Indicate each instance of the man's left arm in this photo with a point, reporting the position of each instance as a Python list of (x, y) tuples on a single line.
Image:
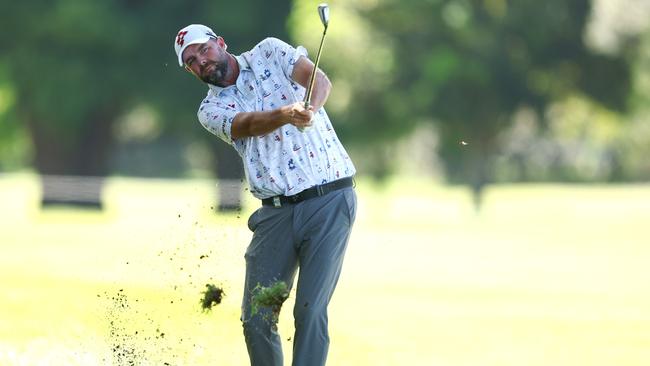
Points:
[(321, 90)]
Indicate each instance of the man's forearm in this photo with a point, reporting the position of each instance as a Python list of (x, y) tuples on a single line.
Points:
[(320, 91), (260, 123), (322, 85), (256, 123)]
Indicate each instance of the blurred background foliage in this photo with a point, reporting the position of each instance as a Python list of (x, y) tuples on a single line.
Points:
[(469, 91)]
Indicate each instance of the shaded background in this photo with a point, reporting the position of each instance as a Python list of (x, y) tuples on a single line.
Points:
[(471, 92), (502, 144)]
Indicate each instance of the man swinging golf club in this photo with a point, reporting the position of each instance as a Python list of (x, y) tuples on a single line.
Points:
[(267, 103)]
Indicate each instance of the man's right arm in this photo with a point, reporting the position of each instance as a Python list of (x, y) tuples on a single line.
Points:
[(246, 124)]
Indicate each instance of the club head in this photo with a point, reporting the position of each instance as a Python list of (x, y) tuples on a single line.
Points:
[(324, 13)]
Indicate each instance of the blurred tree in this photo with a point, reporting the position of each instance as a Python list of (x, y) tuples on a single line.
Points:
[(358, 57), (471, 64), (76, 66), (14, 146)]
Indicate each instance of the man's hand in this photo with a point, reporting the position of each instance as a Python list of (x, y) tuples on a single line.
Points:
[(297, 115)]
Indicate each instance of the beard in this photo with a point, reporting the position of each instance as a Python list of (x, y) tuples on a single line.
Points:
[(217, 75)]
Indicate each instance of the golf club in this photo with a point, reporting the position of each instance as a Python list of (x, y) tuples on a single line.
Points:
[(324, 13)]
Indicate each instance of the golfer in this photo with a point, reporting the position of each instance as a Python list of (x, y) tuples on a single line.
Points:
[(295, 164)]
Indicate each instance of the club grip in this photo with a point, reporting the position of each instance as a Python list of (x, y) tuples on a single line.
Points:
[(302, 129)]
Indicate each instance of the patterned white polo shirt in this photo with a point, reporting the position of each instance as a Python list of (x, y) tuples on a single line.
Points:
[(285, 161)]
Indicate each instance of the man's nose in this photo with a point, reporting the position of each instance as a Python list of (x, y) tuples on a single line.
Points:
[(202, 60)]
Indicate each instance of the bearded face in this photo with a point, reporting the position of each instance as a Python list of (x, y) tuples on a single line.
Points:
[(211, 63), (215, 73)]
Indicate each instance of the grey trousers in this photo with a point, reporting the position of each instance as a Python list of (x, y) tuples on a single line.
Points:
[(312, 235)]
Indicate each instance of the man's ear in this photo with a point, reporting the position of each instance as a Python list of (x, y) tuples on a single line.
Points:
[(221, 42)]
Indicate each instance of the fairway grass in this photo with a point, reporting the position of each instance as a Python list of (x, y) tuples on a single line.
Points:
[(542, 275)]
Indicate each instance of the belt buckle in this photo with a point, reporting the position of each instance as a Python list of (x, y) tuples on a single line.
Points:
[(276, 201)]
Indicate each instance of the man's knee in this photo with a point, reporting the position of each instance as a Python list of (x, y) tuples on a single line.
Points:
[(261, 324), (308, 314)]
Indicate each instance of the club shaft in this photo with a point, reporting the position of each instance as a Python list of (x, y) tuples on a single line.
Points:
[(313, 73)]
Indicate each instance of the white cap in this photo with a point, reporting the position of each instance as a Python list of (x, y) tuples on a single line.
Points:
[(192, 34)]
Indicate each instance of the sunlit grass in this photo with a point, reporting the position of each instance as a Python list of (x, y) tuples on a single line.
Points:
[(542, 275)]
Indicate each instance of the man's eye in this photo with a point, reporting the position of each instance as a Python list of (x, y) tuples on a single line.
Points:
[(204, 50), (190, 62)]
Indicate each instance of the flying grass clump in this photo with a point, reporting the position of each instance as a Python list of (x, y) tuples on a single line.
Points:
[(271, 297), (211, 296)]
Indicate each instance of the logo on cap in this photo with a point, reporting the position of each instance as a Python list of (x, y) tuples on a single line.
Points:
[(180, 39)]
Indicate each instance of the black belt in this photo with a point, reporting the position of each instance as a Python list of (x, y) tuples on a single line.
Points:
[(315, 191)]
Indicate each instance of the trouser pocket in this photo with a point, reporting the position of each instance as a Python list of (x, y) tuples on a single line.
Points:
[(253, 219), (351, 201)]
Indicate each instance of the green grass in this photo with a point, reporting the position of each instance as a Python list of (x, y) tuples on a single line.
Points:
[(543, 275)]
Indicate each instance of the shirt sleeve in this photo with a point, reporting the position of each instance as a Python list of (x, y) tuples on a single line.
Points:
[(284, 54), (216, 117)]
